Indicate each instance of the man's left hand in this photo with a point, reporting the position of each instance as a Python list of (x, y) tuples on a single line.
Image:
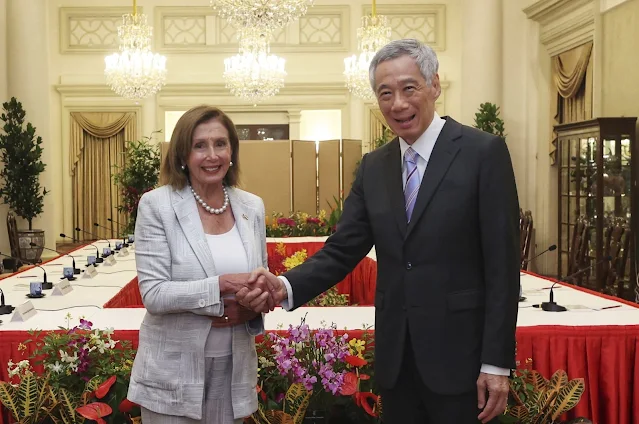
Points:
[(497, 388)]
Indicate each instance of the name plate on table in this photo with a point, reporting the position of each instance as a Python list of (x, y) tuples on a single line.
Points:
[(109, 260), (24, 312), (90, 272), (62, 288), (123, 252)]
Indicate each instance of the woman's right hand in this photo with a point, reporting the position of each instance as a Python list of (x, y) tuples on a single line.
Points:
[(234, 314)]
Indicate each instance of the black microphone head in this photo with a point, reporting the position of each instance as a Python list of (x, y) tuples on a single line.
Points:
[(95, 224), (109, 219), (78, 229), (553, 247)]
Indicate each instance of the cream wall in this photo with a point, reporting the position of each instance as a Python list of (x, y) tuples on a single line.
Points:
[(620, 28), (314, 81)]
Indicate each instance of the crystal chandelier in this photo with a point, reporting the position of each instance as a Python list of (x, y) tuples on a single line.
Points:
[(372, 36), (135, 72), (265, 15), (254, 74)]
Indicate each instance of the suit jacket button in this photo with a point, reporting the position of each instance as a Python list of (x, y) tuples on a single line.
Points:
[(201, 303), (409, 265)]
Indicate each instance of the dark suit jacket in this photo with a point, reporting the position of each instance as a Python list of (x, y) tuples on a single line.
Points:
[(451, 277)]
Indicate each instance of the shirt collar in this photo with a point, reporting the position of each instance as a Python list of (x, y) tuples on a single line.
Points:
[(423, 146)]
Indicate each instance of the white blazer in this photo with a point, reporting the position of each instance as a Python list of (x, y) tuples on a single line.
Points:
[(180, 290)]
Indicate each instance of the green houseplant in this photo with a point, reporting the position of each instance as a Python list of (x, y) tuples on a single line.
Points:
[(21, 153), (487, 119), (139, 174)]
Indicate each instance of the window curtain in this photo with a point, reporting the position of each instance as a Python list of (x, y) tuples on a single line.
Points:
[(97, 145), (572, 88)]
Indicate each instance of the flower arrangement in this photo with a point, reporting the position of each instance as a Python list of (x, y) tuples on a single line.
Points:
[(333, 371), (298, 224), (278, 263), (76, 360)]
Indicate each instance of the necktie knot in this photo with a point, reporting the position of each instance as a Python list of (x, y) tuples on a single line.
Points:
[(410, 156)]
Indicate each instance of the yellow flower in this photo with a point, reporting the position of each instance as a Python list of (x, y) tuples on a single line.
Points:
[(357, 347), (295, 259), (322, 215), (22, 346)]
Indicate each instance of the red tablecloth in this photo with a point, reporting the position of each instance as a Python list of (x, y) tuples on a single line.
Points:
[(606, 356)]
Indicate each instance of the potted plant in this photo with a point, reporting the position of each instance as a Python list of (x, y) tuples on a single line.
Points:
[(488, 120), (140, 173), (21, 153)]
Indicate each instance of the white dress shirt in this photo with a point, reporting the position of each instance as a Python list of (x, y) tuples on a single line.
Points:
[(423, 146)]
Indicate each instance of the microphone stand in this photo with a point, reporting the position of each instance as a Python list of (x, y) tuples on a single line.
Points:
[(4, 309), (550, 249), (98, 259), (45, 284), (75, 270), (124, 239), (551, 305)]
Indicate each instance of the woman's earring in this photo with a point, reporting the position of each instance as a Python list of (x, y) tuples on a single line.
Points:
[(231, 164), (183, 167)]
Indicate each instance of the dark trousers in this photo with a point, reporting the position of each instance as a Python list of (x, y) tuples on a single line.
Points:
[(412, 402)]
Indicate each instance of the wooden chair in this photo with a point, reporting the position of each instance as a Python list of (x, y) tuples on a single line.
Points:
[(525, 236), (617, 242), (578, 255), (14, 241)]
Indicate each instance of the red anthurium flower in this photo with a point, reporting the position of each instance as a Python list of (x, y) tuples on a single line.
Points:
[(103, 388), (368, 402), (364, 377), (349, 386), (95, 411), (126, 406), (355, 361)]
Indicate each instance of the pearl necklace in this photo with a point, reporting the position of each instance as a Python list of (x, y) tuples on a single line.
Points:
[(207, 207)]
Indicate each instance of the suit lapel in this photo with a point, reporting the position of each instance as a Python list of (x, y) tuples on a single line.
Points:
[(187, 215), (395, 184), (245, 221), (440, 159)]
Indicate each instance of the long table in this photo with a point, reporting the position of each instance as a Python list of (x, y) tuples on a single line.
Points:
[(590, 340)]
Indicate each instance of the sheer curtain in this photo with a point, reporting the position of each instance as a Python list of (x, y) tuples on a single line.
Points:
[(97, 143)]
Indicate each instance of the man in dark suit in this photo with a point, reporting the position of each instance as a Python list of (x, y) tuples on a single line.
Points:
[(439, 203)]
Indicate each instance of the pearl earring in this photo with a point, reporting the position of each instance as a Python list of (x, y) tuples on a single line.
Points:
[(183, 167), (231, 164)]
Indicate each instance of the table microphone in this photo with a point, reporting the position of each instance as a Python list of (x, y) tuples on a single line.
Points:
[(4, 309), (551, 306), (45, 285), (98, 238), (98, 259), (550, 249), (124, 239), (75, 270)]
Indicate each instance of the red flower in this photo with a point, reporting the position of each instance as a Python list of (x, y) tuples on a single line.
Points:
[(95, 411), (126, 406), (355, 361), (349, 386), (103, 388)]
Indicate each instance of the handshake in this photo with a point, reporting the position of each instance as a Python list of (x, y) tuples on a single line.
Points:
[(248, 295)]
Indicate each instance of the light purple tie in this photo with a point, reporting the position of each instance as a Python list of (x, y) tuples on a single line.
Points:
[(412, 181)]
